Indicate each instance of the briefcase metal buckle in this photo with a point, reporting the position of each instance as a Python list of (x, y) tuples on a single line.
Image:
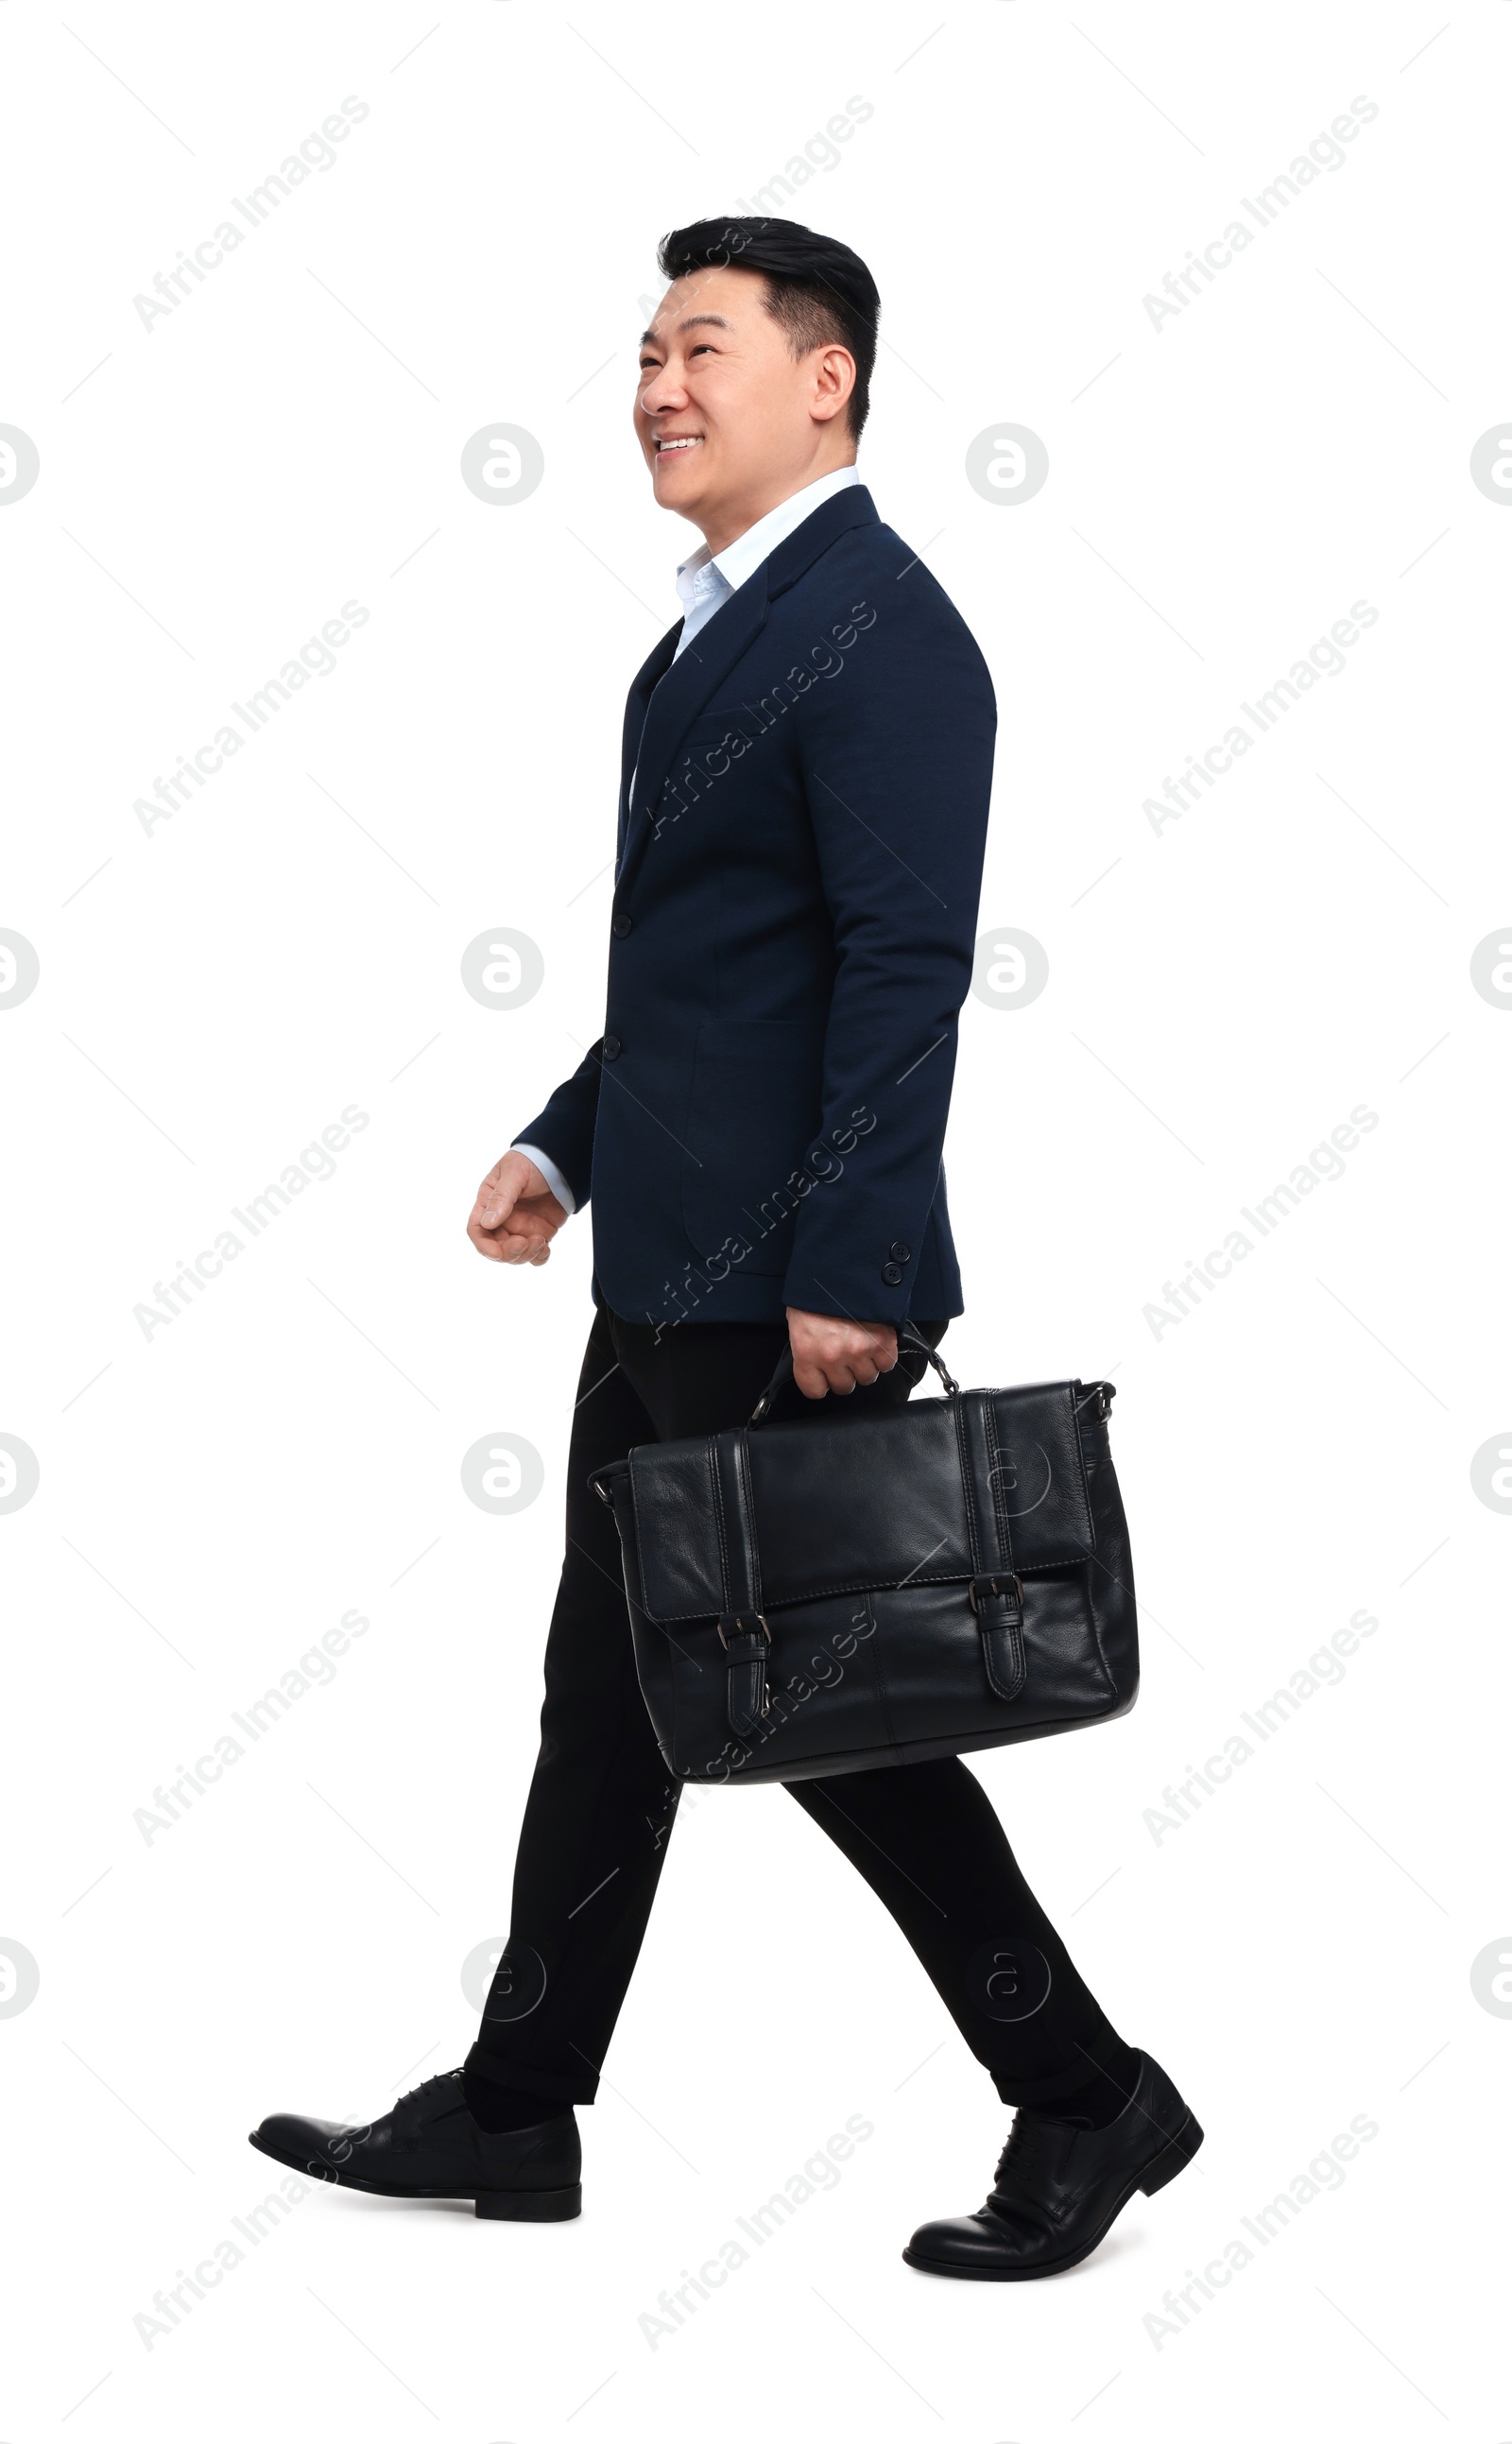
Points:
[(740, 1618), (996, 1586)]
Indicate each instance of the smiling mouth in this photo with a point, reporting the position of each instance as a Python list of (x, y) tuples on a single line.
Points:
[(680, 447)]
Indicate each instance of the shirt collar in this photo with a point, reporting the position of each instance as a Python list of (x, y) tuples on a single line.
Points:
[(700, 573)]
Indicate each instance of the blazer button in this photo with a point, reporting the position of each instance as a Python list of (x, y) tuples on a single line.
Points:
[(892, 1274), (611, 1047), (899, 1253), (621, 926)]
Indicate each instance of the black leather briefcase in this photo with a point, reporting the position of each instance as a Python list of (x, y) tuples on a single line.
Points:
[(816, 1597)]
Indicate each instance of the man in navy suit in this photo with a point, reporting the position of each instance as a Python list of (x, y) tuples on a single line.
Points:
[(803, 797)]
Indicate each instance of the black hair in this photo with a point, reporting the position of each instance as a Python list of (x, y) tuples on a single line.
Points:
[(818, 289)]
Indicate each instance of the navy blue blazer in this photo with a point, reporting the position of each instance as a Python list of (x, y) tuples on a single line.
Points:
[(795, 906)]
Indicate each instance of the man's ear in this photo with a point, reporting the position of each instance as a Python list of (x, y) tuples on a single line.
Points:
[(834, 380)]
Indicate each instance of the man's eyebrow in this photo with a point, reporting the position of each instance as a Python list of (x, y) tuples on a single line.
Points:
[(687, 325)]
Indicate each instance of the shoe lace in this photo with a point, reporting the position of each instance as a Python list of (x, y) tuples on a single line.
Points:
[(438, 2079), (1028, 2143), (1023, 2150)]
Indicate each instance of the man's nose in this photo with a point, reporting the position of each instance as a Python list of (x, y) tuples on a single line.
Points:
[(663, 392)]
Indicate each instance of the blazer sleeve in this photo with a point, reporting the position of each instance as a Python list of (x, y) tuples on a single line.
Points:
[(896, 754), (564, 1129)]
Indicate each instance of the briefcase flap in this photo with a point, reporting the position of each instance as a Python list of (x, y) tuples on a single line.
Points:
[(826, 1508)]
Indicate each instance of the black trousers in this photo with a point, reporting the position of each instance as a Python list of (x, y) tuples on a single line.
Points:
[(602, 1805)]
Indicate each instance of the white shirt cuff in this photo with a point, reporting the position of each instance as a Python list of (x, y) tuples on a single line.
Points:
[(549, 1173)]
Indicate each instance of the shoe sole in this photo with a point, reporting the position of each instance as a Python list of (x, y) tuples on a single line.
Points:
[(490, 2206), (1172, 2159)]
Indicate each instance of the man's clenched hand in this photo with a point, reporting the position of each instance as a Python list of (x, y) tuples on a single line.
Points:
[(832, 1355), (515, 1218)]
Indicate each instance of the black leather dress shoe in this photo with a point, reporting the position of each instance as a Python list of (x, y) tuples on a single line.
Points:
[(1059, 2185), (430, 2147)]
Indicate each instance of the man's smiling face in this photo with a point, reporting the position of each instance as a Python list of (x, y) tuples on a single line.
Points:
[(731, 421)]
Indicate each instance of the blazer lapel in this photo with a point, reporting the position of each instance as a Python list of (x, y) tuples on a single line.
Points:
[(681, 694), (656, 661), (680, 690)]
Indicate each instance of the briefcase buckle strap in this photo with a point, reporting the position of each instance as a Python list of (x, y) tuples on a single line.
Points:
[(1006, 1585), (746, 1638), (997, 1604), (738, 1621)]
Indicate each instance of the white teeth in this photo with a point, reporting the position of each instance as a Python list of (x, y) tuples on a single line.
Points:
[(691, 443)]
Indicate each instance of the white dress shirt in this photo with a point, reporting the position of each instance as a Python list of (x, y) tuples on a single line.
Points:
[(705, 580)]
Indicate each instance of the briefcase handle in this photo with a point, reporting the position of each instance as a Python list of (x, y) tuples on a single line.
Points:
[(909, 1338)]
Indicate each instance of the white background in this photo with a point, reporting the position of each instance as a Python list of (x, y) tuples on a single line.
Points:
[(1221, 993)]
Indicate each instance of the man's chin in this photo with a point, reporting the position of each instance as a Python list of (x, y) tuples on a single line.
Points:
[(687, 500)]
